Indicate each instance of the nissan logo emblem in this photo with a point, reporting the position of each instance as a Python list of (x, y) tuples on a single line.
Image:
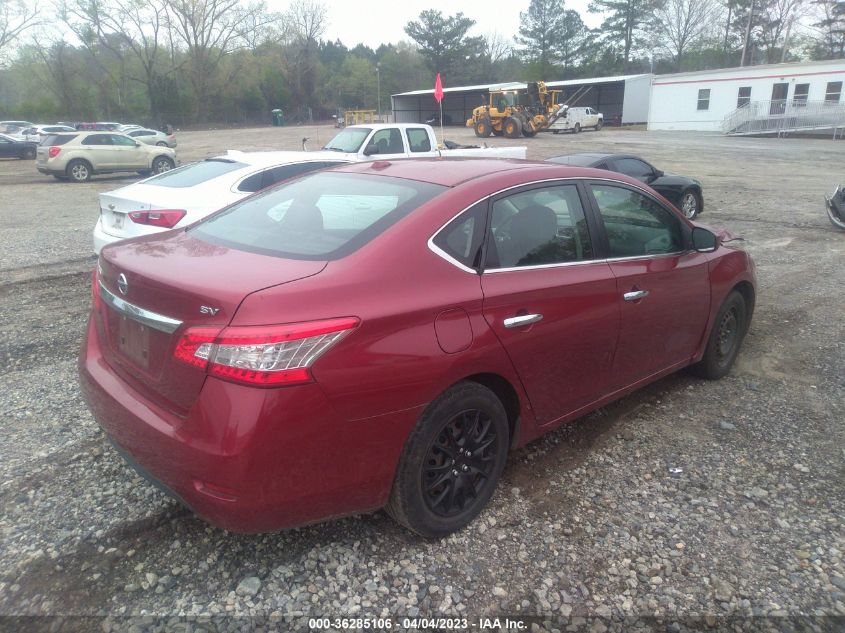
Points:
[(122, 284)]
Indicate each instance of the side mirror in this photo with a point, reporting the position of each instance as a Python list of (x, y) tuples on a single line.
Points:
[(371, 149), (658, 173), (137, 144), (703, 240)]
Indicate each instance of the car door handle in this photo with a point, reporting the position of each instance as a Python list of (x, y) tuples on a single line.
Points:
[(522, 320), (635, 294)]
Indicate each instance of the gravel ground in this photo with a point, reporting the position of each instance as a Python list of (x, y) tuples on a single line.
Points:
[(688, 505)]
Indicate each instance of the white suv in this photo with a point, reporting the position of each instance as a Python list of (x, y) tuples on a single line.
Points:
[(78, 156)]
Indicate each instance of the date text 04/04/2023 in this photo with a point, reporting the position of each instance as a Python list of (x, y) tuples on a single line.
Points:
[(457, 624)]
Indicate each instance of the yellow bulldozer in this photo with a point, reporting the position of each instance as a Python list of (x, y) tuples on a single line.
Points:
[(516, 112)]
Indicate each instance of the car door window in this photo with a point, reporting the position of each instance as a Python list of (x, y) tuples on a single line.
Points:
[(538, 227), (418, 140), (634, 168), (388, 141), (122, 141), (461, 239), (97, 139), (635, 224)]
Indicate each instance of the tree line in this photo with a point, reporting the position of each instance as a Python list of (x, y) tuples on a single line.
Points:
[(184, 62)]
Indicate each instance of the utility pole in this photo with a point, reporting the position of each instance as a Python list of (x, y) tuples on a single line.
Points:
[(747, 33), (786, 39), (378, 88)]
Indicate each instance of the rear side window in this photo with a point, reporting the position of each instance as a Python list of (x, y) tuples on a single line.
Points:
[(195, 173), (461, 239), (418, 140), (57, 139), (321, 216)]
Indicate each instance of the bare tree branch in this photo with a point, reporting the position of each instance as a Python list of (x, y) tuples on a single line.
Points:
[(16, 17)]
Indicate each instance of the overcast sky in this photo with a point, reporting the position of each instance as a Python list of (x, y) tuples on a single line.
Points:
[(374, 22)]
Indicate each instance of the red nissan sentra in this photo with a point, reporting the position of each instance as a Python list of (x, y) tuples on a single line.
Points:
[(381, 334)]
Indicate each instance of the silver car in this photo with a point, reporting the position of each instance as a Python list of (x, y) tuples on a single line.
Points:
[(153, 137)]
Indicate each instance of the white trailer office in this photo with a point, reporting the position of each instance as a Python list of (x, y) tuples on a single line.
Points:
[(706, 100)]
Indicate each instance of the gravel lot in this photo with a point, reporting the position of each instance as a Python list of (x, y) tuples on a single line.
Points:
[(589, 529)]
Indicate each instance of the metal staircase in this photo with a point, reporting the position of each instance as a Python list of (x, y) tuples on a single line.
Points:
[(783, 117)]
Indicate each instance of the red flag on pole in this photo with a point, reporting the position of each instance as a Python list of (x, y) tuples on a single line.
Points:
[(438, 89)]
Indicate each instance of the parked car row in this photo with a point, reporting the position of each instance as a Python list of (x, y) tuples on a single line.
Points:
[(11, 147), (292, 336)]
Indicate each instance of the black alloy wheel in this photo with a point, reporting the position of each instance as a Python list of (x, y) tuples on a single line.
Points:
[(451, 462), (459, 463)]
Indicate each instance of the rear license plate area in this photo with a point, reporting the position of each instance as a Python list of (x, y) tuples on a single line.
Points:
[(133, 341), (117, 220)]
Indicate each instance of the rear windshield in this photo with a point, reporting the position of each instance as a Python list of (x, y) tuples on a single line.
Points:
[(58, 139), (320, 216), (195, 173)]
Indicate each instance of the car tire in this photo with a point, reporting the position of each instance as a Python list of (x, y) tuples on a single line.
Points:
[(162, 164), (690, 203), (437, 464), (161, 144), (28, 153), (599, 125), (577, 128), (79, 170), (555, 131), (483, 127), (725, 339)]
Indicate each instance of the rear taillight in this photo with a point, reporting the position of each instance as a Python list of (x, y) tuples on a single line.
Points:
[(164, 218), (54, 151), (262, 356)]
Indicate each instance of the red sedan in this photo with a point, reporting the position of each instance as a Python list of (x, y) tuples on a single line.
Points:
[(381, 334)]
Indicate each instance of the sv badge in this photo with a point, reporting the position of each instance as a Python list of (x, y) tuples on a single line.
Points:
[(209, 310)]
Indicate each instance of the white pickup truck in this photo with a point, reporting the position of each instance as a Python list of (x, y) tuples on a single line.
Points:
[(407, 140)]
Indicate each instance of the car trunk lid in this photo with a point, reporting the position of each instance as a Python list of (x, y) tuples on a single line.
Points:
[(116, 206), (153, 290)]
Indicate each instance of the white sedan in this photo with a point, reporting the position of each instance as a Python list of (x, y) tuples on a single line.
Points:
[(189, 193)]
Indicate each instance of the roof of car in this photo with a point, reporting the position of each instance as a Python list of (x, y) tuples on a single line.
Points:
[(586, 159), (264, 159), (453, 171)]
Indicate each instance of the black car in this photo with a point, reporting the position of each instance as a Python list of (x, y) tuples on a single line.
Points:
[(13, 148), (684, 193)]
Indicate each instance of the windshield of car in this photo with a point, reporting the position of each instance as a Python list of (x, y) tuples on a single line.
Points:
[(195, 173), (319, 216), (349, 140)]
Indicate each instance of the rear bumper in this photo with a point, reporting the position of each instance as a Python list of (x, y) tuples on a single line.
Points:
[(245, 459), (101, 238), (44, 169)]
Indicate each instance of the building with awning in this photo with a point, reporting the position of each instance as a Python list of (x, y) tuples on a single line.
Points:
[(622, 99)]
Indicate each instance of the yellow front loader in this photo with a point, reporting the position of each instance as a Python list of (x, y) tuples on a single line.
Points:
[(512, 113)]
